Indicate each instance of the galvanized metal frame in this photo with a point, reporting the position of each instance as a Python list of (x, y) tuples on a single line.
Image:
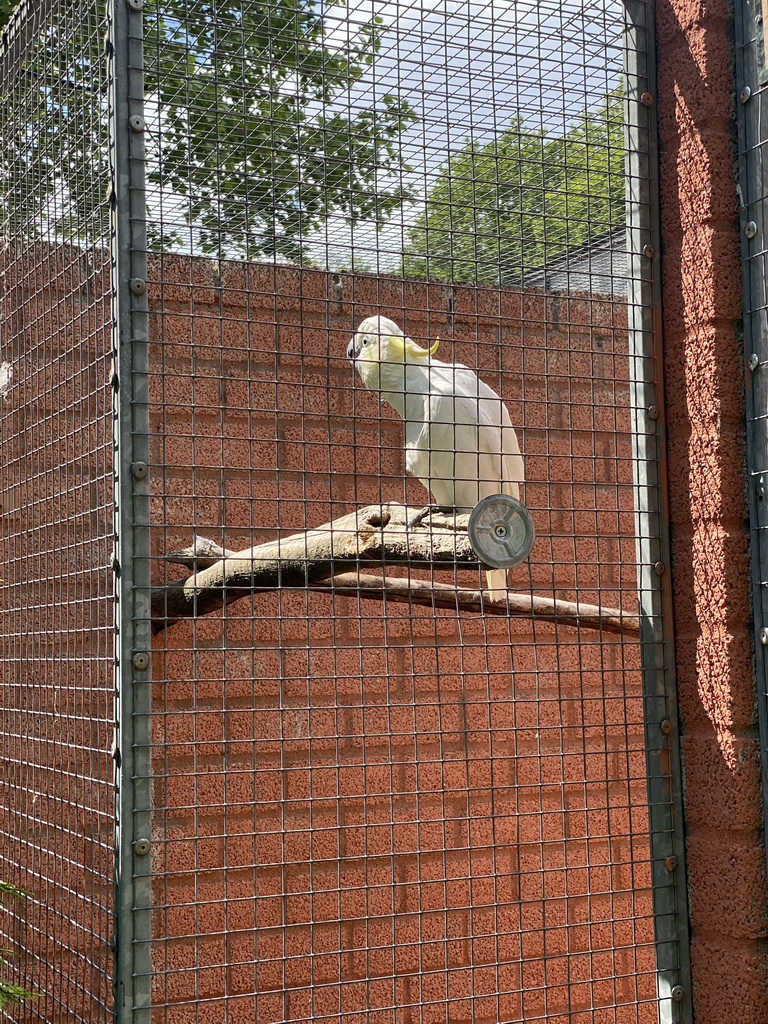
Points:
[(131, 560), (653, 553), (751, 81)]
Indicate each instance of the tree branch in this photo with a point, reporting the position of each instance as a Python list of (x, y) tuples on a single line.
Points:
[(373, 535), (443, 595)]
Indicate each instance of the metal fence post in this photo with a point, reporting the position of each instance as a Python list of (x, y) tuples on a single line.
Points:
[(651, 529), (751, 82), (131, 460)]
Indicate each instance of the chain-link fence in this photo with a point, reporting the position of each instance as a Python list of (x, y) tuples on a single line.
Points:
[(352, 784)]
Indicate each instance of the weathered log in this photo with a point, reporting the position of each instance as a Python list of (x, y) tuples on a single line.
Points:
[(375, 534)]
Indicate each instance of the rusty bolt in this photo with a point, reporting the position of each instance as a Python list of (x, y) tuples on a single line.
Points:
[(670, 863), (653, 412), (666, 727), (646, 99)]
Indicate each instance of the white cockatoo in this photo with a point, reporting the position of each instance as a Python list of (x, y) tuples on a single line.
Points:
[(459, 439)]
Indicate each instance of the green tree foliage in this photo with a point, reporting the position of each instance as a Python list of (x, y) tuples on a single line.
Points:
[(6, 10), (254, 137), (10, 994), (522, 199)]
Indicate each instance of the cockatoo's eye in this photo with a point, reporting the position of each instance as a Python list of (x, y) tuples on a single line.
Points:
[(365, 342)]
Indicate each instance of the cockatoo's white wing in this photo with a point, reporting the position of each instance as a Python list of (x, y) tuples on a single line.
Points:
[(460, 440)]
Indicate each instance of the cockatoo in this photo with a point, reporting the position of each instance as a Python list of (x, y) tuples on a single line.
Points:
[(459, 439)]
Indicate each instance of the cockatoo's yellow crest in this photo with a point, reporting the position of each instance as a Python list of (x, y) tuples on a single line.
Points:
[(406, 346)]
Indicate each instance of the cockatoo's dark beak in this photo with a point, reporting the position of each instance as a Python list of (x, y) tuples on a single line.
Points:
[(351, 351)]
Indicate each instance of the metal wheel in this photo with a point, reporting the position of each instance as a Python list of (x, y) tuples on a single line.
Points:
[(501, 531)]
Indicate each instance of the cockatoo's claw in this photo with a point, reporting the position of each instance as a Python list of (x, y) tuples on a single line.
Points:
[(428, 510)]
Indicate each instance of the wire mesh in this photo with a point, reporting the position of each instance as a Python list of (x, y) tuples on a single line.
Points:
[(382, 806), (56, 717), (364, 808)]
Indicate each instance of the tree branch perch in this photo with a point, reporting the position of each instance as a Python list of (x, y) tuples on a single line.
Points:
[(321, 560)]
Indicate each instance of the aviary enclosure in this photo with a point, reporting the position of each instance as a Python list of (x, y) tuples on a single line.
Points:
[(330, 778)]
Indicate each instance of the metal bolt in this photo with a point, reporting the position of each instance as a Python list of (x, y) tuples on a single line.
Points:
[(745, 93), (760, 488), (754, 361), (750, 229), (136, 123), (646, 99), (763, 635), (141, 847), (666, 727), (137, 285), (139, 470), (649, 252), (670, 863), (678, 993), (112, 943), (141, 660), (136, 5), (653, 412), (659, 568)]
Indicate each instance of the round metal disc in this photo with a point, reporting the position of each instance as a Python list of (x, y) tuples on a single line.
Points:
[(501, 531)]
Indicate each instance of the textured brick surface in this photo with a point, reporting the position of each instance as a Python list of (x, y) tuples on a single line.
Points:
[(705, 409), (401, 808), (357, 810), (56, 686)]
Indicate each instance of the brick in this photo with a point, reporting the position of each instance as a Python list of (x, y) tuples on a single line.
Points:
[(722, 781)]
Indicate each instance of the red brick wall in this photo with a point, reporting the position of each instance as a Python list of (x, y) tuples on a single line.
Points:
[(56, 642), (704, 367), (365, 809)]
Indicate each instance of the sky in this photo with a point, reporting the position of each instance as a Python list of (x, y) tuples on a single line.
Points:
[(469, 68)]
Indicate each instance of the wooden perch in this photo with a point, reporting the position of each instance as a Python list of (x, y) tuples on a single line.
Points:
[(443, 595), (376, 535)]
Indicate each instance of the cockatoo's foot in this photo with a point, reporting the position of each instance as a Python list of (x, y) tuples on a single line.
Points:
[(428, 510)]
